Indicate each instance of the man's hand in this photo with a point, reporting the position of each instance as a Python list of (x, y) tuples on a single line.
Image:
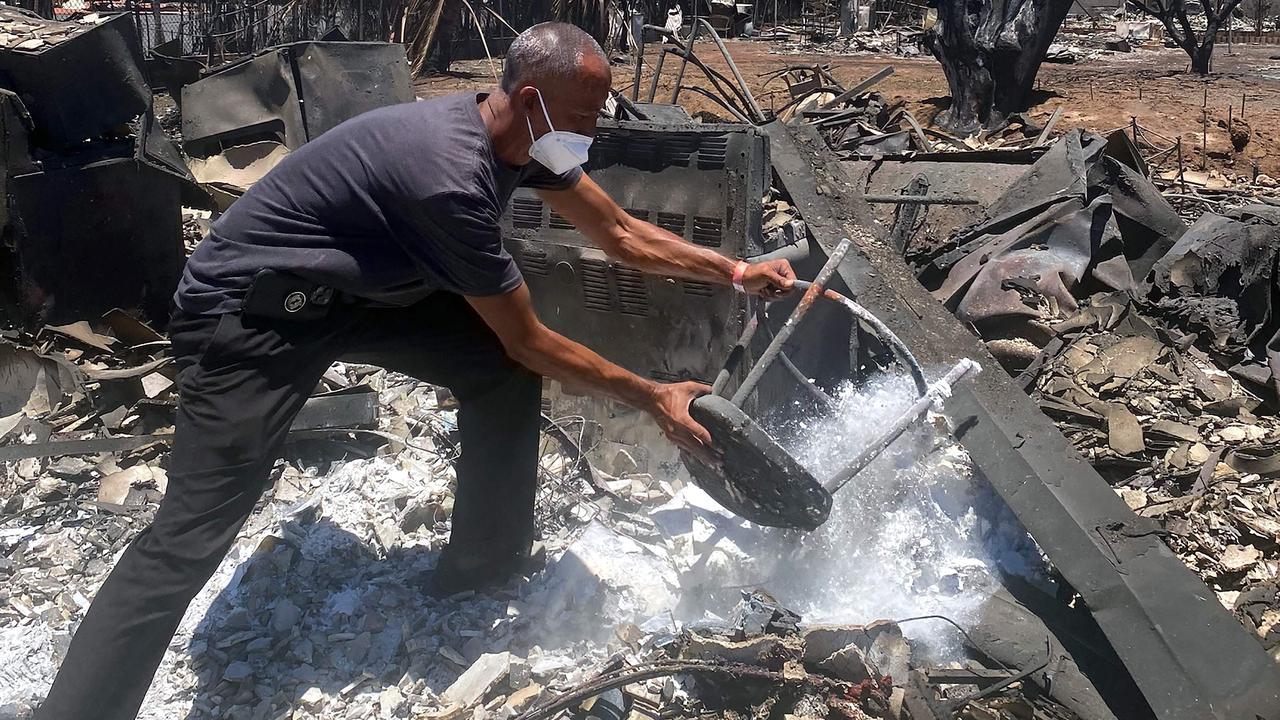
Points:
[(771, 279), (670, 410), (530, 343)]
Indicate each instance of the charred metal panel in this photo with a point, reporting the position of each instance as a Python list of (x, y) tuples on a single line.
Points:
[(15, 150), (1187, 655), (250, 100), (83, 87), (339, 80), (292, 93), (704, 183)]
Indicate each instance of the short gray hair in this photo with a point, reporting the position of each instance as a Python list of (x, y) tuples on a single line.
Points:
[(549, 51)]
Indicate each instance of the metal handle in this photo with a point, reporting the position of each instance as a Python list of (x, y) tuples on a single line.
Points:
[(789, 327)]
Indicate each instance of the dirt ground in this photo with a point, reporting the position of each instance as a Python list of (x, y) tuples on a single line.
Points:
[(1102, 93)]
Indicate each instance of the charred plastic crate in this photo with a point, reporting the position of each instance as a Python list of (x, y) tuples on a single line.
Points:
[(292, 93), (704, 183)]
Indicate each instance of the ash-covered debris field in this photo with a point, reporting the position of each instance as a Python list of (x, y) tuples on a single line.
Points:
[(1005, 449)]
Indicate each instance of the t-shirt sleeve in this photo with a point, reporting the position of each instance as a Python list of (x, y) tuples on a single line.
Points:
[(459, 245), (539, 177)]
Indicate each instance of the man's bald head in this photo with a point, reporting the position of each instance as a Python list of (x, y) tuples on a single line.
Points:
[(551, 55)]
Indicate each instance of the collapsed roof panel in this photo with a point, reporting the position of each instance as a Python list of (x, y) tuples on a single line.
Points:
[(292, 93)]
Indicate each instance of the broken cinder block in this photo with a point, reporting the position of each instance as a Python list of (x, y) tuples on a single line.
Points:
[(474, 684)]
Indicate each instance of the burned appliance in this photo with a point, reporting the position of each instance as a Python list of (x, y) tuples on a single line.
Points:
[(79, 81), (92, 218), (704, 183)]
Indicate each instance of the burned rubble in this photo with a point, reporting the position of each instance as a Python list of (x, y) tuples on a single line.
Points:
[(1149, 342), (930, 591)]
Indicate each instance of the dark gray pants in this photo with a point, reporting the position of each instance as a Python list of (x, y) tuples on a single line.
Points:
[(241, 381)]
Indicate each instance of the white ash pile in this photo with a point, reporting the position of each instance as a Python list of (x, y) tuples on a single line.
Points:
[(319, 610)]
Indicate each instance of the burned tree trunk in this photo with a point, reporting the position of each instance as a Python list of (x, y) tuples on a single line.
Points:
[(1201, 56), (990, 51), (848, 17), (1175, 15), (446, 34)]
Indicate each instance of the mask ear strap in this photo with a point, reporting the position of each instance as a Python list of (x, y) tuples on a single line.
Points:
[(544, 111)]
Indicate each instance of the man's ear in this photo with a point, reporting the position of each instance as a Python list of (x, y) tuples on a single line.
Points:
[(527, 97)]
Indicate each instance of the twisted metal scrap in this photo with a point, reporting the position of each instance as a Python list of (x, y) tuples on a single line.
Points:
[(663, 668)]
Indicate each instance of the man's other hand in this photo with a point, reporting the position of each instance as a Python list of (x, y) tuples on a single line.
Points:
[(671, 411), (771, 279)]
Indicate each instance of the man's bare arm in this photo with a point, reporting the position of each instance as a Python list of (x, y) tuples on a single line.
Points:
[(651, 249), (537, 347)]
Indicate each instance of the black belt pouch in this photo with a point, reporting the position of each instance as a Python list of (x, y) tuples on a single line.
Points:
[(285, 296)]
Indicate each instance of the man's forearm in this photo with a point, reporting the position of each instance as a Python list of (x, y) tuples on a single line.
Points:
[(552, 355), (651, 249)]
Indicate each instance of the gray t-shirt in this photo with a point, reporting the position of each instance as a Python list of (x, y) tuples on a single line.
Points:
[(387, 206)]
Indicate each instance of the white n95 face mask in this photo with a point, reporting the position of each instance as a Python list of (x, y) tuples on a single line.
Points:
[(559, 150)]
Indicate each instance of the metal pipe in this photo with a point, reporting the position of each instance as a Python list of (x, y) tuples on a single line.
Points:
[(825, 401), (793, 321), (684, 62), (919, 199), (736, 354), (722, 84), (936, 392), (737, 74), (635, 83), (722, 102), (657, 73)]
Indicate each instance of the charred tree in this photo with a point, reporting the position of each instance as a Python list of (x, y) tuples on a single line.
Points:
[(446, 35), (990, 51), (1175, 15), (1257, 11), (848, 17)]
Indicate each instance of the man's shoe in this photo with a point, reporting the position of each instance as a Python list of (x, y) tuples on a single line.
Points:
[(458, 570)]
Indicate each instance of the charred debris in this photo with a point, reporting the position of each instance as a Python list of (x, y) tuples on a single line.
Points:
[(1112, 474)]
